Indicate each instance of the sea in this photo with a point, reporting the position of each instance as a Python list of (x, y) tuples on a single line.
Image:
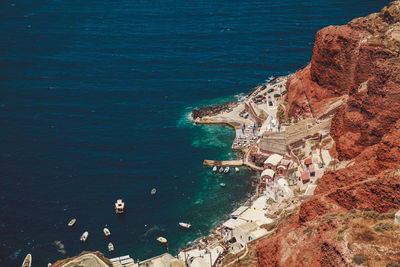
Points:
[(95, 102)]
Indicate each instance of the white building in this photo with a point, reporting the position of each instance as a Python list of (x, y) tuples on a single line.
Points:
[(242, 231), (248, 231), (267, 174), (272, 161)]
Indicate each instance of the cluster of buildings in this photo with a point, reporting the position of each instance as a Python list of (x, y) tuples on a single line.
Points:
[(232, 236)]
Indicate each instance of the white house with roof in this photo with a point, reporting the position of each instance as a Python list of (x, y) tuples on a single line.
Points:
[(242, 231), (272, 161), (267, 174), (248, 231)]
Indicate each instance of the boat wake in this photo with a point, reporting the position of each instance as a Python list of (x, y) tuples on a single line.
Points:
[(154, 230), (60, 247)]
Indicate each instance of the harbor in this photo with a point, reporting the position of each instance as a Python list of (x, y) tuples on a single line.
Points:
[(289, 158)]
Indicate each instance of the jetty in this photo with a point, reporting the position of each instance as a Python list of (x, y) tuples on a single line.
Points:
[(208, 162)]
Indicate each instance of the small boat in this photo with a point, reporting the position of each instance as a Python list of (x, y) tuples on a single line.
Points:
[(119, 206), (226, 170), (185, 225), (84, 236), (215, 169), (72, 222), (222, 184), (27, 261), (221, 170), (106, 232), (162, 240), (110, 247), (237, 169), (153, 191)]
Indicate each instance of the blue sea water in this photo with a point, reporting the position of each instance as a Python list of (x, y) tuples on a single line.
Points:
[(94, 104)]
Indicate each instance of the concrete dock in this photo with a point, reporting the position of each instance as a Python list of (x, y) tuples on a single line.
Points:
[(233, 163)]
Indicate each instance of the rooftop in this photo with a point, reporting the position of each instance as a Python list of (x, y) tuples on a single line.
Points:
[(305, 176), (274, 159), (268, 172)]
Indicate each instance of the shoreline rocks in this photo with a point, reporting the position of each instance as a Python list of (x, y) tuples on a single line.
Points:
[(211, 110)]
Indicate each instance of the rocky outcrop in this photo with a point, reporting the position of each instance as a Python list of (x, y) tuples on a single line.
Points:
[(211, 110), (360, 63)]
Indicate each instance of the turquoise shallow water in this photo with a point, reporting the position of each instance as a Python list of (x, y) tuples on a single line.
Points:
[(94, 103)]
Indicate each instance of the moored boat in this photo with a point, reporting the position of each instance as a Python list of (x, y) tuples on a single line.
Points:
[(110, 247), (221, 170), (222, 185), (119, 206), (237, 169), (153, 191), (215, 169), (162, 240), (226, 170), (106, 232), (27, 261), (72, 222), (185, 225), (84, 236)]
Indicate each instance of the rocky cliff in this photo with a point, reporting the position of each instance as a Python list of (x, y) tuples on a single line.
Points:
[(358, 62), (361, 60)]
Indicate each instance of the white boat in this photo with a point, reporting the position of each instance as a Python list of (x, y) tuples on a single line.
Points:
[(110, 247), (27, 261), (71, 222), (222, 184), (119, 206), (215, 169), (237, 169), (162, 240), (106, 232), (185, 225), (226, 170), (84, 236), (221, 170)]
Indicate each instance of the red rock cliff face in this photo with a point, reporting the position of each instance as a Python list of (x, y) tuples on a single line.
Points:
[(360, 60)]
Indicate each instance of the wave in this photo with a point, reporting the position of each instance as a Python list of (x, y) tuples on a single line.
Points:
[(186, 119), (269, 79), (241, 97)]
